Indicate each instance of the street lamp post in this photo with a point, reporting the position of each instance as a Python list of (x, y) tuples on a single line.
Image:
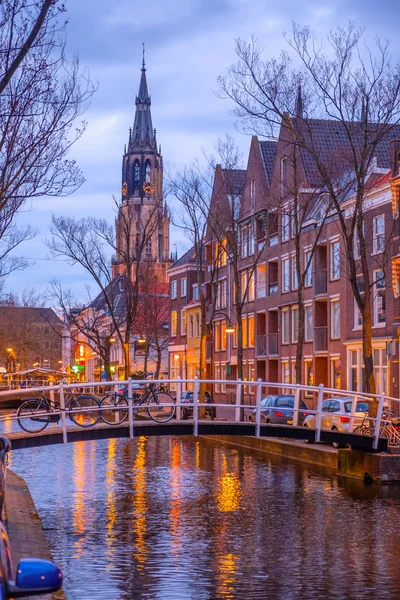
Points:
[(228, 330)]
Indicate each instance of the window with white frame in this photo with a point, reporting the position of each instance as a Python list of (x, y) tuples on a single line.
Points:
[(295, 324), (285, 375), (356, 244), (357, 312), (191, 326), (285, 326), (335, 319), (285, 275), (251, 290), (174, 322), (378, 234), (308, 372), (335, 260), (308, 324), (380, 370), (195, 292), (221, 294), (183, 322), (244, 331), (308, 261), (293, 367), (243, 284), (355, 367), (183, 287), (285, 226), (247, 240), (335, 373), (174, 368), (174, 289), (197, 325), (261, 283), (223, 335), (379, 299), (217, 336), (295, 283), (251, 331)]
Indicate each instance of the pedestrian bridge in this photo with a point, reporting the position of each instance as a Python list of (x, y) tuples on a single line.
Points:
[(133, 427)]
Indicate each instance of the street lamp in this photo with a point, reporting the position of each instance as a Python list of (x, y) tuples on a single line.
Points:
[(141, 340)]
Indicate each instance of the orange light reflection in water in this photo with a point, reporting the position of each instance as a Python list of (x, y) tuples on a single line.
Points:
[(226, 575), (140, 505), (176, 502), (80, 482), (229, 492), (111, 501)]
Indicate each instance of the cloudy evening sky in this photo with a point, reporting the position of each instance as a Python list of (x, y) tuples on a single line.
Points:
[(188, 44)]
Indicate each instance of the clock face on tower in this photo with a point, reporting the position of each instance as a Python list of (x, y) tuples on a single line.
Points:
[(149, 188), (124, 188)]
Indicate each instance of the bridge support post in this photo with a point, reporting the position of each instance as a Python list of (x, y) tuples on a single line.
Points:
[(296, 407), (378, 421), (238, 400), (63, 418), (258, 405), (130, 407), (353, 412), (196, 406), (178, 398), (319, 412)]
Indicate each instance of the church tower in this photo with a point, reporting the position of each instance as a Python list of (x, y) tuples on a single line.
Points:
[(142, 204)]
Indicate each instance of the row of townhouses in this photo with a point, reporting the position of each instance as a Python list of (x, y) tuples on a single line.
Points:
[(332, 352)]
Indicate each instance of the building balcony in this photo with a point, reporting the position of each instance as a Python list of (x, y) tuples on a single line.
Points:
[(320, 339), (272, 344), (320, 282)]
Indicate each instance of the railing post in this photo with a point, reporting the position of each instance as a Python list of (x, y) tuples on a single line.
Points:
[(258, 407), (52, 403), (130, 407), (319, 412), (353, 411), (63, 418), (196, 406), (238, 400), (178, 398), (378, 421), (296, 407)]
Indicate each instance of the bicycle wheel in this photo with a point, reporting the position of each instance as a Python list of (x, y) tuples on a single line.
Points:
[(118, 409), (157, 409), (84, 411), (31, 415)]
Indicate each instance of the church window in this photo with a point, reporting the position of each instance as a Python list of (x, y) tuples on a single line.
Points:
[(148, 169), (136, 174)]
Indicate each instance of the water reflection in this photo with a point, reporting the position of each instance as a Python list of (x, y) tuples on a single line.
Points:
[(176, 518)]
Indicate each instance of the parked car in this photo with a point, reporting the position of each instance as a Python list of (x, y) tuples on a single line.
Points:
[(335, 417), (33, 575), (187, 412), (276, 409)]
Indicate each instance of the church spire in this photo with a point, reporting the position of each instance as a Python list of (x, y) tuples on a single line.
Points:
[(142, 126), (299, 103)]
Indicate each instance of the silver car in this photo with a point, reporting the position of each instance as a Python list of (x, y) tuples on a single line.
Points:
[(335, 417)]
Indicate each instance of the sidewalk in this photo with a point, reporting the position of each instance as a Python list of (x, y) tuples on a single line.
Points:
[(25, 528)]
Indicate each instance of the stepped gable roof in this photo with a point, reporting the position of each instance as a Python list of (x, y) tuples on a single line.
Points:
[(268, 153), (331, 142), (235, 180)]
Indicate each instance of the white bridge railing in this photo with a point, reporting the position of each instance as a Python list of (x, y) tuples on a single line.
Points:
[(261, 388)]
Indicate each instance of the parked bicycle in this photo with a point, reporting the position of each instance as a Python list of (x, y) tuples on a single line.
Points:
[(389, 428), (35, 414), (152, 402)]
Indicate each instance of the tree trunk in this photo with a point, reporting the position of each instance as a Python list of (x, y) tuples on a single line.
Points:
[(369, 377), (127, 365), (300, 335), (158, 364), (203, 356)]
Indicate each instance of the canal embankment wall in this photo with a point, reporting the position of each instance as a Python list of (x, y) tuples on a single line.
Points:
[(24, 527), (381, 467)]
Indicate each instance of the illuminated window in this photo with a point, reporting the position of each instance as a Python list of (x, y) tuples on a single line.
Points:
[(174, 322), (251, 331)]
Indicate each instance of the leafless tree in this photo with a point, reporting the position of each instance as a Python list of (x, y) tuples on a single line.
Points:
[(42, 97), (347, 82), (90, 242)]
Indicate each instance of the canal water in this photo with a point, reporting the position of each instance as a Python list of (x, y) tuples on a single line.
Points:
[(184, 518)]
